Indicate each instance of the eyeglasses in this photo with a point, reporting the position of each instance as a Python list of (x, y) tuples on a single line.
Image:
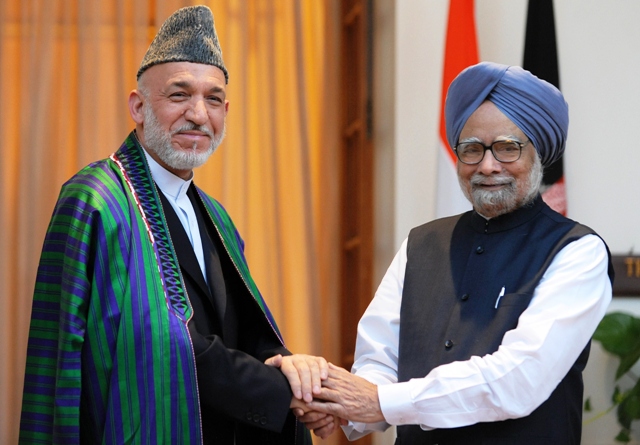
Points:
[(472, 153)]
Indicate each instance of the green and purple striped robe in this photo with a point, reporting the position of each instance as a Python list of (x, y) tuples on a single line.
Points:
[(109, 358)]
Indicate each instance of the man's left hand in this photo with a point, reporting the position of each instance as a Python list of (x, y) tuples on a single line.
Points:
[(304, 372), (348, 396)]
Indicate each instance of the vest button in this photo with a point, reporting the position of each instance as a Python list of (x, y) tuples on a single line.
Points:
[(479, 250), (465, 297), (448, 344)]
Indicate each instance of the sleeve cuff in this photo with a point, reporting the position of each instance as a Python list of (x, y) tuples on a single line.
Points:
[(396, 403), (356, 430)]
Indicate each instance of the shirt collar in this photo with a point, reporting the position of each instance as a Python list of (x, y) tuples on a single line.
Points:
[(170, 184), (507, 221)]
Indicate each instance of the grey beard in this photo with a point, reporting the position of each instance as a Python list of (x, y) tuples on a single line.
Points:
[(494, 203), (158, 140)]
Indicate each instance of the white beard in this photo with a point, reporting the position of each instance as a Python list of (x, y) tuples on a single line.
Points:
[(159, 141), (494, 203)]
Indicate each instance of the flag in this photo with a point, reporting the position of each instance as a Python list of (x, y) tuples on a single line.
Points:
[(461, 51), (541, 58)]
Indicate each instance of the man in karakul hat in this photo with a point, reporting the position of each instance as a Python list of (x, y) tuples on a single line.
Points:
[(147, 326), (480, 329)]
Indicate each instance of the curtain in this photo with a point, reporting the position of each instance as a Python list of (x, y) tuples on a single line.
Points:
[(66, 68)]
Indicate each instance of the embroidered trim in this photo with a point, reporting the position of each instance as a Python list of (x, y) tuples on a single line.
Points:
[(133, 168)]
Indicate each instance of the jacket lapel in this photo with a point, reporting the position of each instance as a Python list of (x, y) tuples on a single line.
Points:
[(186, 257), (213, 265)]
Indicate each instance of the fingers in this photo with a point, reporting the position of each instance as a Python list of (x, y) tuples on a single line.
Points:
[(314, 419), (293, 375), (328, 394), (354, 398), (323, 428), (323, 425), (306, 371), (307, 416), (337, 378), (336, 371), (275, 361), (319, 371), (325, 431), (305, 374), (298, 406), (342, 395), (334, 409)]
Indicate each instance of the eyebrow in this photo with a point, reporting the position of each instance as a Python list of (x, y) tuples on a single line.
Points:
[(499, 138), (468, 140), (186, 84)]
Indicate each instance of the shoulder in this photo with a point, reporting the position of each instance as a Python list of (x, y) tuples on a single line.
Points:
[(575, 230), (579, 243), (588, 254), (96, 191), (98, 179), (439, 224), (437, 227)]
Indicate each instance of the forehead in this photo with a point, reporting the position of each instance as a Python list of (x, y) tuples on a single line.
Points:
[(487, 122), (184, 73)]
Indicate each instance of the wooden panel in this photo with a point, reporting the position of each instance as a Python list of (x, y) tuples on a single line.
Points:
[(627, 270), (356, 178)]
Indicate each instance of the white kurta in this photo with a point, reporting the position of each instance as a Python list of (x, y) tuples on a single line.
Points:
[(565, 310)]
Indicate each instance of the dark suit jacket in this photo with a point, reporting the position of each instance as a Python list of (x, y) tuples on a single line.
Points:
[(239, 395)]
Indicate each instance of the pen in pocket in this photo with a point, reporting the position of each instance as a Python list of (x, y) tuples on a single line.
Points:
[(499, 297)]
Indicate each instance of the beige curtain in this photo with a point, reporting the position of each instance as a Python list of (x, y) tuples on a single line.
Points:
[(66, 68)]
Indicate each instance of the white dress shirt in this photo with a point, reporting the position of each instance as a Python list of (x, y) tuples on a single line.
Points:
[(175, 189), (533, 358)]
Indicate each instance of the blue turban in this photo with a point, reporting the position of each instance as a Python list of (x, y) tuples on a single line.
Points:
[(535, 106)]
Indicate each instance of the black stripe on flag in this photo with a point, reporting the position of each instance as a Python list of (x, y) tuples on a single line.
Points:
[(541, 58)]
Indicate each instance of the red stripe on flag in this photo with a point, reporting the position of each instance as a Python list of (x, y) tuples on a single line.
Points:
[(461, 51)]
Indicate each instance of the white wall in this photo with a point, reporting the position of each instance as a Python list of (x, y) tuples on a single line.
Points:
[(599, 55)]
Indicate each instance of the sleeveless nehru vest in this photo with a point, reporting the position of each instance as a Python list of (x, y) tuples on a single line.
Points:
[(456, 268)]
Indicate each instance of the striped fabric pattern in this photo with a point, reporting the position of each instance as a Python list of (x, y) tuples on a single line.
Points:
[(109, 357)]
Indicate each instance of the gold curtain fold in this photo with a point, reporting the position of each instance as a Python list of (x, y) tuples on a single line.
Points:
[(66, 68)]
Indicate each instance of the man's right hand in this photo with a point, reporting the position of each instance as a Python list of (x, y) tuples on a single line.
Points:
[(322, 425)]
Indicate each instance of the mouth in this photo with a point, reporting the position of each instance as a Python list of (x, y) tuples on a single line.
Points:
[(491, 183), (192, 134), (191, 138), (492, 186)]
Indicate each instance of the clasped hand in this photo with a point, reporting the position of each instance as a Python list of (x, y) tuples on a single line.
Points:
[(325, 395)]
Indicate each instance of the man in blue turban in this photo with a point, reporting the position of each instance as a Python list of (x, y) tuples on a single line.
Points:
[(480, 329)]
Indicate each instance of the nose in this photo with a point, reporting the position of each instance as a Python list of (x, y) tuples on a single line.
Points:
[(489, 164), (197, 112)]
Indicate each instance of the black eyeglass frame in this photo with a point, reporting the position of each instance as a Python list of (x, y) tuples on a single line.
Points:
[(490, 147)]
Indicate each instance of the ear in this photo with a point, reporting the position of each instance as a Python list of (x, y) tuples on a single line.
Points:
[(136, 101), (226, 107)]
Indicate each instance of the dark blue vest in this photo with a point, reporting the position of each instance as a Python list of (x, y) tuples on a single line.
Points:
[(456, 268)]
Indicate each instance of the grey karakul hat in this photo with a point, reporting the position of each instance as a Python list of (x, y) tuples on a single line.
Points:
[(187, 36)]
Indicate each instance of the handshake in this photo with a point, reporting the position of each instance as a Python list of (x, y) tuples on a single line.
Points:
[(325, 395)]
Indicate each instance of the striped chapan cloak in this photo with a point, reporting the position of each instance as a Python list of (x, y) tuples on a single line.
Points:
[(108, 342)]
